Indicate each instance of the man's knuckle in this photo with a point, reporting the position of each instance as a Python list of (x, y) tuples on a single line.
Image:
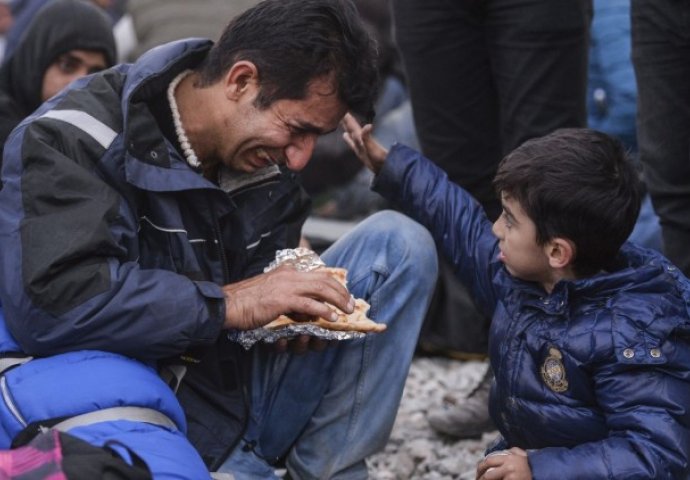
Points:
[(306, 304), (319, 287)]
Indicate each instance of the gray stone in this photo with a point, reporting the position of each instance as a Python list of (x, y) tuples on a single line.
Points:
[(414, 451)]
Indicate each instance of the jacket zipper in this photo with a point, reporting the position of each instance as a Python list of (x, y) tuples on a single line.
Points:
[(219, 245), (238, 371)]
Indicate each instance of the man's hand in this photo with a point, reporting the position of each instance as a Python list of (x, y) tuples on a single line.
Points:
[(256, 301), (508, 465), (359, 138)]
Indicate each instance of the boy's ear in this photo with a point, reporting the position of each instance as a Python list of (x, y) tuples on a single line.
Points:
[(561, 252)]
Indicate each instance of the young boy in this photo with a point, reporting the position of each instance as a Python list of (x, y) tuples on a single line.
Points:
[(590, 337)]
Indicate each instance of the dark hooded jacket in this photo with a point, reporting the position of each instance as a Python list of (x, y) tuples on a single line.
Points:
[(57, 28)]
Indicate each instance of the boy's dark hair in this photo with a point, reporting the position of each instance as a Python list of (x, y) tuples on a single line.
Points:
[(295, 41), (577, 184)]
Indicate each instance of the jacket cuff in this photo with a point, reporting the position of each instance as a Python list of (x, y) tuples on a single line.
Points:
[(389, 179), (215, 305)]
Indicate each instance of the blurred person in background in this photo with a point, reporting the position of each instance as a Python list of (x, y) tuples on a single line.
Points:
[(661, 59), (6, 21), (20, 13), (612, 98), (156, 22), (66, 40)]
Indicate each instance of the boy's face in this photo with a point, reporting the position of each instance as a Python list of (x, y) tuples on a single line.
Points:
[(517, 236)]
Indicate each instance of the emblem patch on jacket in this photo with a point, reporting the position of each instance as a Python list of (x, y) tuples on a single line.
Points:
[(553, 371)]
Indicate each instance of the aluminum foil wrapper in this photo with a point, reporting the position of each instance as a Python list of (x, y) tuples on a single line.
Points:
[(248, 338), (304, 260)]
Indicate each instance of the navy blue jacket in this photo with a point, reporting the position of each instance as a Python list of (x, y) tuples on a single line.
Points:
[(594, 378), (111, 241)]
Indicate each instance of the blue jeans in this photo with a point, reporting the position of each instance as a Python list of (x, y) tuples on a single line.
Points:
[(661, 56), (327, 411)]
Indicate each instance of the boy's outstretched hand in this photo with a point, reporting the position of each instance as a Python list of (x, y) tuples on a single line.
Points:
[(505, 465), (359, 138)]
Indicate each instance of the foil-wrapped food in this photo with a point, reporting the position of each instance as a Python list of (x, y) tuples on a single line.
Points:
[(348, 326)]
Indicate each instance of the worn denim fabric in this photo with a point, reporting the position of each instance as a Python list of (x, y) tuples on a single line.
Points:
[(661, 56), (327, 411)]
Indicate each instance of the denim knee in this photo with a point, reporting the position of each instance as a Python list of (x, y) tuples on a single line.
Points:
[(413, 243)]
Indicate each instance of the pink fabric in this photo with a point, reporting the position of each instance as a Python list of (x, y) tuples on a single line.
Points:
[(39, 460)]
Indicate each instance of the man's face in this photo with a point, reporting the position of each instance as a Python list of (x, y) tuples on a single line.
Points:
[(68, 67), (284, 133), (519, 251)]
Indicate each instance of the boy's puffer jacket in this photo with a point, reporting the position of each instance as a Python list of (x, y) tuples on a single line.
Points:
[(592, 379)]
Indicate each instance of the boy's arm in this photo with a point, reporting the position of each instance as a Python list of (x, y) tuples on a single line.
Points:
[(424, 192)]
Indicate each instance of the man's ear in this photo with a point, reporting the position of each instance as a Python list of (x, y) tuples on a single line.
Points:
[(242, 77), (561, 252)]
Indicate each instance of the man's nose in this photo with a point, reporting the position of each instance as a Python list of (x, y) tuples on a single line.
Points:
[(299, 152)]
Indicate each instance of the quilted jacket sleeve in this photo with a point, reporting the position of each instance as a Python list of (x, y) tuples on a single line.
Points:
[(457, 222)]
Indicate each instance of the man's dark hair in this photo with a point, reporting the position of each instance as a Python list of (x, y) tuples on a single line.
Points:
[(295, 41), (577, 184)]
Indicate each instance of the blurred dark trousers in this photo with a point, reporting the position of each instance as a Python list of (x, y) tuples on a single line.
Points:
[(484, 76), (661, 56)]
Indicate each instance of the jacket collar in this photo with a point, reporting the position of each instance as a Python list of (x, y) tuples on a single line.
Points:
[(151, 163), (637, 268)]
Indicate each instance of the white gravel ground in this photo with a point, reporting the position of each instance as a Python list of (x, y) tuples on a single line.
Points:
[(414, 450)]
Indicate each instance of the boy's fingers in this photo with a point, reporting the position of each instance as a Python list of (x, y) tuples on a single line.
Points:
[(518, 451), (349, 123), (348, 139), (488, 463)]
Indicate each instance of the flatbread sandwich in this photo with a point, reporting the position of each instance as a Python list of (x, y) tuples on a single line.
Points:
[(356, 321)]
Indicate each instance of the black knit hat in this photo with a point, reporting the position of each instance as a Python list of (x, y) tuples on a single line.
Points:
[(58, 27)]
